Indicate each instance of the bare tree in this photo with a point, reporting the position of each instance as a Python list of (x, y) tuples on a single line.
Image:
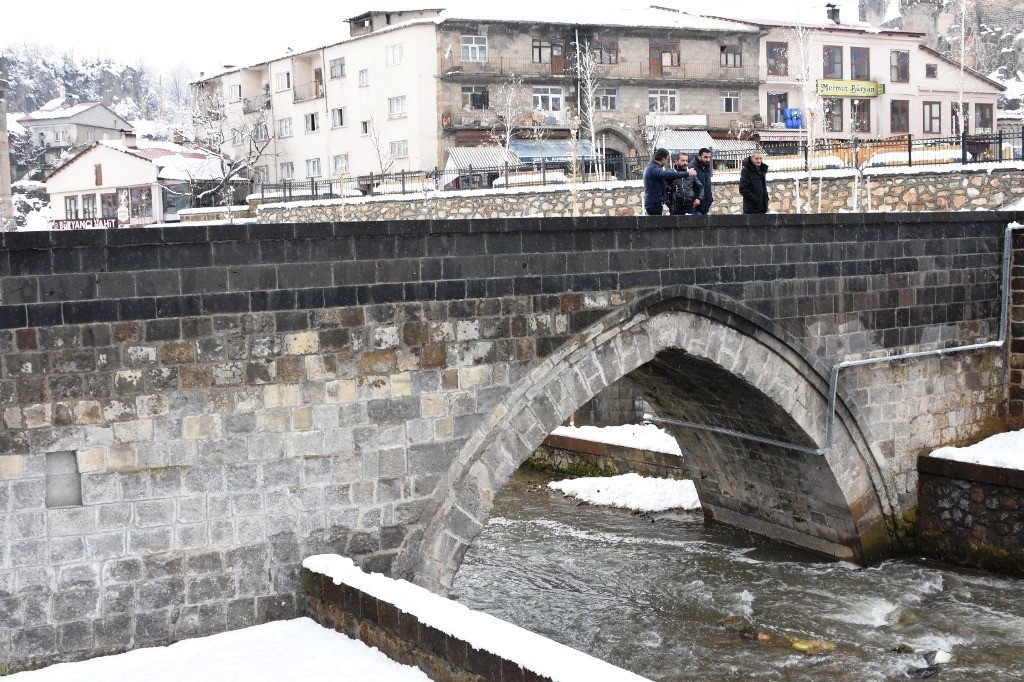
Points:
[(385, 160), (240, 141), (807, 55), (587, 70), (511, 112)]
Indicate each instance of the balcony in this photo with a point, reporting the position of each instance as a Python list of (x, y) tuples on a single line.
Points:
[(304, 92), (504, 66), (252, 105), (623, 70)]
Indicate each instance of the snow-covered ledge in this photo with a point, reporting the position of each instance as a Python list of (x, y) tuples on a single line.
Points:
[(442, 637)]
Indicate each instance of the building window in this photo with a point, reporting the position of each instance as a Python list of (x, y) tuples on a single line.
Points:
[(933, 117), (260, 133), (778, 58), (899, 116), (262, 174), (284, 127), (832, 62), (860, 116), (90, 135), (982, 118), (957, 123), (833, 110), (288, 171), (394, 54), (88, 206), (364, 77), (731, 101), (931, 70), (400, 149), (108, 205), (605, 51), (339, 163), (283, 81), (71, 208), (547, 99), (860, 64), (236, 136), (141, 202), (312, 122), (730, 56), (312, 168), (337, 67), (544, 49), (60, 135), (365, 127), (474, 97), (899, 66), (606, 99), (338, 117), (778, 102), (668, 53), (396, 107), (234, 93), (474, 48), (661, 100)]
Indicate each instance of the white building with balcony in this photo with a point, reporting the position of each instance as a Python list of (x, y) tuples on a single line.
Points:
[(64, 123)]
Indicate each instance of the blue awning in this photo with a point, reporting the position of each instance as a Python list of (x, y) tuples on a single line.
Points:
[(532, 151)]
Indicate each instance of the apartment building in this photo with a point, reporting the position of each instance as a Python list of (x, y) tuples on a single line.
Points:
[(406, 86), (854, 81), (64, 123)]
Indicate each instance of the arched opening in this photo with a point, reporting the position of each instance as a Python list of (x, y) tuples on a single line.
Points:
[(694, 362)]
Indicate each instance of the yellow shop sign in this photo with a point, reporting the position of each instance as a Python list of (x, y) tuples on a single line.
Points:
[(836, 88)]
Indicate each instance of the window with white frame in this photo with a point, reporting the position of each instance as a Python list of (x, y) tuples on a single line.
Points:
[(90, 135), (288, 171), (236, 136), (88, 206), (312, 168), (547, 98), (312, 121), (337, 67), (400, 149), (71, 208), (606, 99), (394, 54), (259, 132), (396, 107), (282, 81), (731, 101), (235, 93), (339, 117), (262, 174), (474, 48), (365, 127), (284, 127), (661, 100), (339, 163), (61, 135), (474, 97), (730, 56), (364, 77)]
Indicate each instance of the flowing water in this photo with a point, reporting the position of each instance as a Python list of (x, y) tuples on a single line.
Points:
[(671, 598)]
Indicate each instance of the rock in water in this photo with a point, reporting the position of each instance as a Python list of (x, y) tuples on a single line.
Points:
[(811, 647), (938, 657), (925, 673)]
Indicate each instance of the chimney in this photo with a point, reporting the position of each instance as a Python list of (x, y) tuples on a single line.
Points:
[(833, 12), (130, 139)]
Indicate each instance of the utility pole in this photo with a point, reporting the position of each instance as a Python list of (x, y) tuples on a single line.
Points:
[(6, 204)]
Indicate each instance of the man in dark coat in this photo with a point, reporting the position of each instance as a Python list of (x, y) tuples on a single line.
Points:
[(702, 164), (684, 192), (753, 185), (656, 179)]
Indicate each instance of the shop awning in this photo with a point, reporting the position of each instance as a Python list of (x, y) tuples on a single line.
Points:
[(532, 151)]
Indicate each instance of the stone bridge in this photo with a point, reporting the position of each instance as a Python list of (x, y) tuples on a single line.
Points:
[(188, 411)]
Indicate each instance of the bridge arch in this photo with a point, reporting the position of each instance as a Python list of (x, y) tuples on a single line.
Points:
[(699, 358)]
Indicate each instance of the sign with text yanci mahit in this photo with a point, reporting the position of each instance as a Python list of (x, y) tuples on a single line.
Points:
[(837, 88)]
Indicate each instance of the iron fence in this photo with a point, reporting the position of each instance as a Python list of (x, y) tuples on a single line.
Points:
[(780, 157)]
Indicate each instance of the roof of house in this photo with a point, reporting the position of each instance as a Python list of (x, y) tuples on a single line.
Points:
[(831, 26), (173, 162), (983, 77), (56, 109)]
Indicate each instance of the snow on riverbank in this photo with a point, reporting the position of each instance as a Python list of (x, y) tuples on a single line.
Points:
[(297, 649), (632, 491), (1004, 450), (642, 436)]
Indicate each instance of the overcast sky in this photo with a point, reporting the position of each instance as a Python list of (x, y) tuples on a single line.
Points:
[(206, 34)]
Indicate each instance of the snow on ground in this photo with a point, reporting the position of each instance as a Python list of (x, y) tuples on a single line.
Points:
[(297, 649), (1004, 450), (481, 630), (1014, 206), (632, 491), (642, 436)]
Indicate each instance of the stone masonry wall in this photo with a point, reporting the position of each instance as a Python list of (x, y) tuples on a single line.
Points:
[(235, 398), (1016, 388), (961, 187), (971, 515)]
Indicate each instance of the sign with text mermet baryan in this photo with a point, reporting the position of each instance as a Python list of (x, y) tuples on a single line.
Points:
[(840, 88)]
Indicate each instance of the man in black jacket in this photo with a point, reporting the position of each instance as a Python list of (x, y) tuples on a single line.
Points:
[(702, 164), (656, 179), (753, 185), (685, 192)]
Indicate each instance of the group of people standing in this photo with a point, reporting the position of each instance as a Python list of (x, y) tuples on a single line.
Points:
[(686, 189)]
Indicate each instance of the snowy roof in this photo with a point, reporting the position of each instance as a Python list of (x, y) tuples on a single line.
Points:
[(684, 140), (480, 157), (12, 124), (831, 26), (57, 112), (173, 162)]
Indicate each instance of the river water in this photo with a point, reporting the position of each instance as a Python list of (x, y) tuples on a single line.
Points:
[(671, 598)]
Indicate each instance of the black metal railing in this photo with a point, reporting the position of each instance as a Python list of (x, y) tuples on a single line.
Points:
[(780, 157)]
